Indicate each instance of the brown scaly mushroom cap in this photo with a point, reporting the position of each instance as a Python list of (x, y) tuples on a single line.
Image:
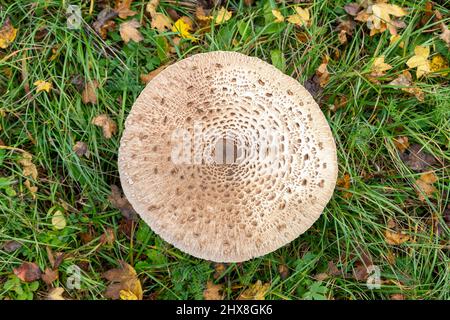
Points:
[(226, 157)]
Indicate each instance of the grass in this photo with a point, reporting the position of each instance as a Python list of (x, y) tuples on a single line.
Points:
[(354, 222)]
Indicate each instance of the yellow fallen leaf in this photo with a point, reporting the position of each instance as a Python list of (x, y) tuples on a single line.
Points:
[(383, 11), (128, 31), (438, 63), (127, 295), (395, 38), (223, 16), (7, 34), (405, 83), (379, 67), (420, 60), (108, 125), (42, 85), (425, 185), (378, 17), (278, 16), (183, 26), (58, 220), (201, 16), (256, 291), (212, 291), (301, 17)]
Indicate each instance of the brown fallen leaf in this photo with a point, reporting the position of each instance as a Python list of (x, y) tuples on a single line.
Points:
[(352, 8), (125, 279), (219, 269), (107, 237), (415, 158), (123, 9), (7, 34), (283, 270), (213, 291), (89, 94), (344, 183), (11, 246), (425, 185), (49, 276), (104, 22), (121, 203), (128, 31), (28, 272), (28, 167), (322, 72), (393, 236), (146, 78), (402, 143), (108, 125), (31, 188), (404, 82), (445, 35), (256, 291), (56, 294), (161, 22), (345, 29), (397, 296), (81, 149)]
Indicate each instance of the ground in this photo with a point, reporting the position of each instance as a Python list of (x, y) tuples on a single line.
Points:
[(383, 235)]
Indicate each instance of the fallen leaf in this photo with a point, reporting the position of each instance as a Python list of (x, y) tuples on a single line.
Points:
[(283, 270), (11, 246), (300, 18), (89, 94), (445, 35), (393, 236), (28, 167), (345, 29), (7, 34), (127, 295), (256, 291), (123, 9), (28, 272), (42, 85), (49, 276), (108, 125), (219, 269), (123, 278), (55, 294), (278, 16), (161, 22), (183, 26), (425, 185), (405, 83), (345, 184), (420, 60), (395, 38), (360, 272), (202, 16), (128, 31), (121, 203), (402, 143), (352, 8), (397, 296), (417, 159), (58, 220), (212, 291), (104, 22), (108, 237), (438, 63), (322, 72), (151, 6), (146, 78), (223, 16), (32, 189), (378, 17), (379, 67), (81, 149)]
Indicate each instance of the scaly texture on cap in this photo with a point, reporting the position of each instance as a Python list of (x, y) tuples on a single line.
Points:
[(280, 175)]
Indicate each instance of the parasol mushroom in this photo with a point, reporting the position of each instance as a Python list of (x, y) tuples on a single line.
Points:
[(226, 157)]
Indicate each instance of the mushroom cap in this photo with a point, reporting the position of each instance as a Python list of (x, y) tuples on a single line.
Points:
[(226, 157)]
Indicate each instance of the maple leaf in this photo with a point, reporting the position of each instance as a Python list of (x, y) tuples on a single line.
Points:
[(223, 16), (301, 17), (128, 31), (212, 291), (42, 85), (123, 9), (7, 34), (49, 275), (256, 291), (161, 22), (420, 60), (425, 185), (278, 16), (124, 283), (108, 125), (183, 26), (404, 82), (378, 17)]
